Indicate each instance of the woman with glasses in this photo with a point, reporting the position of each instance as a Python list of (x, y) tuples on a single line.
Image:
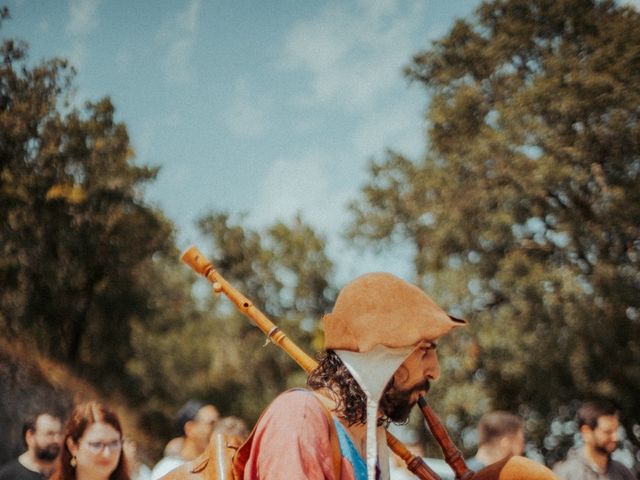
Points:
[(92, 447)]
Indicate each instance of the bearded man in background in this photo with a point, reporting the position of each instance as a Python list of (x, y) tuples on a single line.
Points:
[(42, 435), (598, 423)]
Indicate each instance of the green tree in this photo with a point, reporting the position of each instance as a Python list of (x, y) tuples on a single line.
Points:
[(75, 232), (171, 354), (525, 213), (285, 272), (207, 349)]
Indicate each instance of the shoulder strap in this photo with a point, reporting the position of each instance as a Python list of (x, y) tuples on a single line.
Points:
[(241, 457)]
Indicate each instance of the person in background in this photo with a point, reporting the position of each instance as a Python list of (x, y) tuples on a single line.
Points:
[(42, 435), (500, 435), (92, 446), (598, 423), (173, 447), (196, 422), (232, 427)]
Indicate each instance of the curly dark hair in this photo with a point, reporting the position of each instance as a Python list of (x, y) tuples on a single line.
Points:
[(333, 375)]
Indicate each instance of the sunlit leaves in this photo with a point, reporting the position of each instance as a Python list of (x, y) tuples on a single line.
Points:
[(530, 192)]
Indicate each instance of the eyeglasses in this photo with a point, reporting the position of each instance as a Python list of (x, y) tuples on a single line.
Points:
[(98, 447)]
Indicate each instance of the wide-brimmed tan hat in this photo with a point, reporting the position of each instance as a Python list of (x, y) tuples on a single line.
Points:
[(382, 309)]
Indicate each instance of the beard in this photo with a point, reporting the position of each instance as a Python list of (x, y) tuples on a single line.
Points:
[(396, 404), (48, 453), (606, 448)]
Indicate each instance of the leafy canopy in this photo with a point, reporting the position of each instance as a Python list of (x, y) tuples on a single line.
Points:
[(75, 231), (525, 214)]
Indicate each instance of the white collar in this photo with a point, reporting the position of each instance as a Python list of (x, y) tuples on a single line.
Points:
[(373, 370)]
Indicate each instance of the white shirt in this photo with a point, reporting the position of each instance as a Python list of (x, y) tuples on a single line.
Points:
[(165, 465)]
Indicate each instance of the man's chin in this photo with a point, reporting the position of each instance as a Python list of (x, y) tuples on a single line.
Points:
[(607, 449), (48, 455), (612, 448), (401, 414), (400, 419)]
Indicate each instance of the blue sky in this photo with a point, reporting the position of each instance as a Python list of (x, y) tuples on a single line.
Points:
[(266, 108)]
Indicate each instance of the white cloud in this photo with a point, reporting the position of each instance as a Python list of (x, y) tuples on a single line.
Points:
[(123, 59), (397, 127), (77, 54), (83, 18), (299, 185), (305, 185), (245, 117), (632, 3), (178, 37), (354, 54)]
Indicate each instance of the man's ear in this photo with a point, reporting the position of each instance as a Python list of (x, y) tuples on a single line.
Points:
[(188, 427), (28, 438), (586, 432)]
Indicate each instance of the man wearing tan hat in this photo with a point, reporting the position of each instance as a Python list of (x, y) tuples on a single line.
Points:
[(380, 355)]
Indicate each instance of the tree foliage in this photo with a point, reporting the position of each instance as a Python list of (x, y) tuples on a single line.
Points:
[(285, 272), (206, 349), (90, 273), (199, 346), (525, 214), (75, 232)]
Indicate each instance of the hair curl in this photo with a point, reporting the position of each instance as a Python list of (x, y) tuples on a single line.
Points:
[(333, 375)]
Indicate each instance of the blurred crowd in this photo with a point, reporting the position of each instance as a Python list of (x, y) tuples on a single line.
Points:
[(92, 445), (502, 434)]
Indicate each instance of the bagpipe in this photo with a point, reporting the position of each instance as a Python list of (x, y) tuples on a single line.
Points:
[(216, 462)]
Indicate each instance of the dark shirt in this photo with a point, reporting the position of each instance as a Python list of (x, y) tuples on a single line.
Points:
[(577, 467), (14, 470)]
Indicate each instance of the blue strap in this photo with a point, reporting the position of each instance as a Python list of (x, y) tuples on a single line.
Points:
[(350, 452)]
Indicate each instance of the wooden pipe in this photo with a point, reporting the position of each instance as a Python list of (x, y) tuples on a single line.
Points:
[(452, 455)]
